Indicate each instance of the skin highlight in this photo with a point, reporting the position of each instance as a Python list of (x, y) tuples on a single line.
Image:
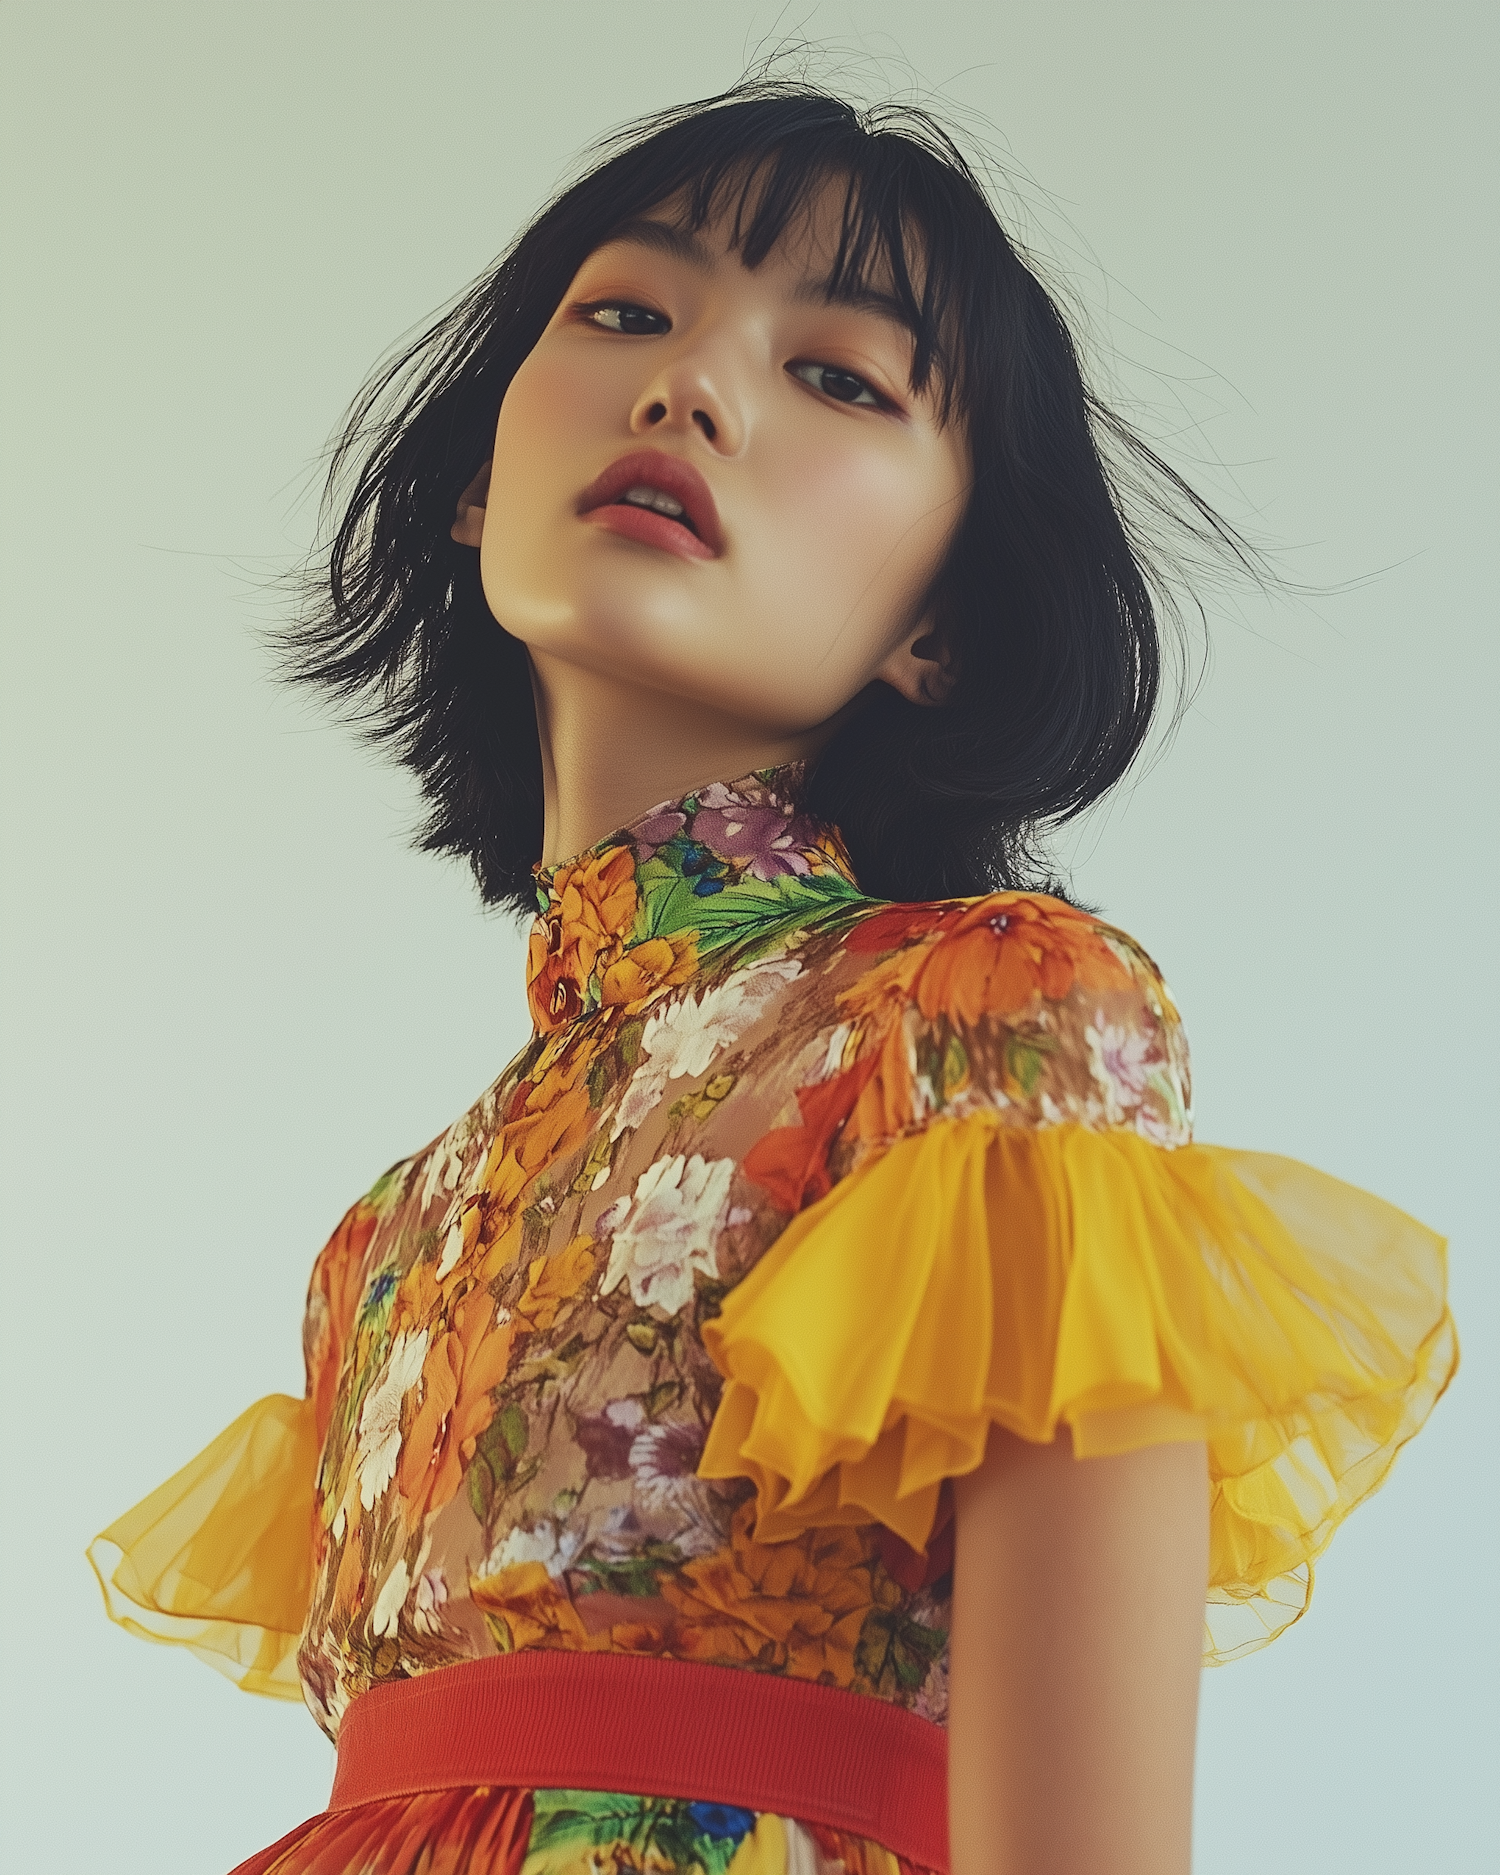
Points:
[(1078, 1584)]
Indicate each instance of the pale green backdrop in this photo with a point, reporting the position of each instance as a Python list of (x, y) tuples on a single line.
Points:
[(233, 996)]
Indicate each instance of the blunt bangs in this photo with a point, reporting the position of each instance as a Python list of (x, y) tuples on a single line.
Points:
[(903, 220)]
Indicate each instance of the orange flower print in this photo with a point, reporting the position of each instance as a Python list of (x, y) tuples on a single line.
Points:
[(524, 1606), (527, 1607), (900, 925), (791, 1162), (660, 963), (1006, 949), (593, 906), (795, 1608), (987, 958), (463, 1367), (553, 1282), (545, 1121), (963, 961)]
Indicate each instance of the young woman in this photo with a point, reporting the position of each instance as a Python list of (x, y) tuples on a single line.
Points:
[(795, 1419)]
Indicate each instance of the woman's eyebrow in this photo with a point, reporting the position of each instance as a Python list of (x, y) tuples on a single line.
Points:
[(856, 295), (664, 237)]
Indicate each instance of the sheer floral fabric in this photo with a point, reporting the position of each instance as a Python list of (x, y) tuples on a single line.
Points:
[(670, 1344)]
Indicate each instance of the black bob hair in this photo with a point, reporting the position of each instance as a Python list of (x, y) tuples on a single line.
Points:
[(1048, 609)]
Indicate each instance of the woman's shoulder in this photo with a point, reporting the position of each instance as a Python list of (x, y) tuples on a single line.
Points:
[(1021, 1001), (390, 1220), (1015, 1003), (992, 955)]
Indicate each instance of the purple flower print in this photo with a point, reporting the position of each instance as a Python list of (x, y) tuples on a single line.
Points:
[(768, 833), (654, 831), (661, 1454), (606, 1438)]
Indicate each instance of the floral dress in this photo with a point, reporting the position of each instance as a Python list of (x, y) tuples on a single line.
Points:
[(671, 1344)]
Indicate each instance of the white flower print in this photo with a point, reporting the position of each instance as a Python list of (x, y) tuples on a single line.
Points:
[(548, 1543), (683, 1038), (427, 1610), (679, 1209), (445, 1162), (380, 1417), (453, 1249), (386, 1613), (834, 1051), (1121, 1060)]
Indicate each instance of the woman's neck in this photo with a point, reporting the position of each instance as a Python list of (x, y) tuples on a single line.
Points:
[(611, 750)]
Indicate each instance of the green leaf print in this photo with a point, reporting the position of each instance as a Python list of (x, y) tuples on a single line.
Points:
[(512, 1427), (596, 1166), (638, 1574), (954, 1076), (701, 1104), (944, 1065), (629, 1043), (709, 1294), (671, 901), (1167, 1091), (1025, 1058), (895, 1653), (664, 1834), (665, 1393), (386, 1189), (480, 1481), (500, 1466)]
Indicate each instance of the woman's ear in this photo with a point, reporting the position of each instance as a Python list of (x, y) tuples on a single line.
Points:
[(919, 668), (468, 523)]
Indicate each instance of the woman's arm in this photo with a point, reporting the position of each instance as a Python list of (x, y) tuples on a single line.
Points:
[(1077, 1638)]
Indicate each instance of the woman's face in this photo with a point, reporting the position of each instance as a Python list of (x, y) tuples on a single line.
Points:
[(715, 483)]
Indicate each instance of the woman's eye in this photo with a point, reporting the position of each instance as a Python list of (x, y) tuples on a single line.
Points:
[(635, 322), (842, 386)]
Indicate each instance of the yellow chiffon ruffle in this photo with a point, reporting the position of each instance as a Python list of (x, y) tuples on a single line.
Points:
[(219, 1558), (978, 1273)]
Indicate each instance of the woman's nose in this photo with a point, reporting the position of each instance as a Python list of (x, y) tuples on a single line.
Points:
[(687, 396)]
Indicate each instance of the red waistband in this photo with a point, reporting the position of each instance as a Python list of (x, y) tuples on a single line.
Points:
[(657, 1728)]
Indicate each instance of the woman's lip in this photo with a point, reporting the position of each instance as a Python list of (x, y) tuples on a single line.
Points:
[(653, 468), (650, 528)]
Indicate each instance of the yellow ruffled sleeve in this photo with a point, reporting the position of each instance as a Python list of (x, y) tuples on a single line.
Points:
[(982, 1273), (219, 1558)]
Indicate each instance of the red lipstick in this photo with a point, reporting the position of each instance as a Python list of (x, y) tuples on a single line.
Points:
[(692, 531)]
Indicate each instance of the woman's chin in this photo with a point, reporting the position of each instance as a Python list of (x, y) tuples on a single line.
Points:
[(643, 660)]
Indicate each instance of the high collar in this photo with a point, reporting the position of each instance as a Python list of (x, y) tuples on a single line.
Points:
[(645, 907)]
